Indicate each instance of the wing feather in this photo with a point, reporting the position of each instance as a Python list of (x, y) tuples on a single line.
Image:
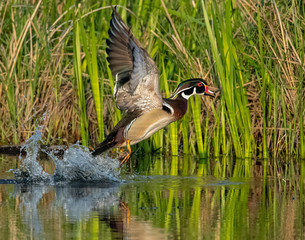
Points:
[(137, 76)]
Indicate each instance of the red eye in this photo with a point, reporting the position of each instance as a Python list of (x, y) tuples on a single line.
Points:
[(200, 84)]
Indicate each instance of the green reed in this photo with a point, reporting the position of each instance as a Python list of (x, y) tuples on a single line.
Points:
[(233, 99), (173, 126), (263, 84), (90, 48), (80, 85), (251, 52)]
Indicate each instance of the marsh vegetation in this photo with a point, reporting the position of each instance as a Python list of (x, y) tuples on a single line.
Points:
[(241, 174), (53, 73)]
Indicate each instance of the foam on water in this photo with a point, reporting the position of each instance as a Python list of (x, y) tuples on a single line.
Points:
[(77, 164)]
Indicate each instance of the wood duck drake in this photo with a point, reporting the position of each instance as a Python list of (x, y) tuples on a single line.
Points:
[(137, 91)]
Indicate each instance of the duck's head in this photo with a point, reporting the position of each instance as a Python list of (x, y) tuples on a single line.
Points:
[(190, 87)]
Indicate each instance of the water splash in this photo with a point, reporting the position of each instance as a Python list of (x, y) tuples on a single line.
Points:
[(30, 169), (77, 164)]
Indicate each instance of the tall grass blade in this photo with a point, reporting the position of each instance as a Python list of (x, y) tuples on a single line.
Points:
[(233, 98), (196, 109), (89, 46), (80, 84), (263, 84), (174, 125)]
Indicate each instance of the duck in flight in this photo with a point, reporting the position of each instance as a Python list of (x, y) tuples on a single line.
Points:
[(137, 91)]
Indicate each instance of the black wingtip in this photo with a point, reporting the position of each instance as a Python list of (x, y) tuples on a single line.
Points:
[(114, 11), (114, 8), (107, 49)]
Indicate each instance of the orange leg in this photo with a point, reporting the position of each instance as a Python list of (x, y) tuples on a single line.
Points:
[(128, 154), (125, 212)]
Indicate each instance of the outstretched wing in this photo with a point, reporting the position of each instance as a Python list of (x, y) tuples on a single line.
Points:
[(137, 76)]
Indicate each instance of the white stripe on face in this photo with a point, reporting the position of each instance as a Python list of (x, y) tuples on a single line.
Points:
[(188, 96), (169, 106), (182, 93)]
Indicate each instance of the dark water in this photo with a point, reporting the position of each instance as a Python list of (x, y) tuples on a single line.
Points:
[(150, 198)]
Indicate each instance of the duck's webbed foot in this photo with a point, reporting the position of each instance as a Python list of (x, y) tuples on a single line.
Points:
[(126, 155)]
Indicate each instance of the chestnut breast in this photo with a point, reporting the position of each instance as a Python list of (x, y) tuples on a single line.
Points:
[(179, 106)]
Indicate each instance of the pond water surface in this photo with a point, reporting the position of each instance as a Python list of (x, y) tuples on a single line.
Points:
[(150, 198)]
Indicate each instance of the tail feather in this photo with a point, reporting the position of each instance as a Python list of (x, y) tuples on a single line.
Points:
[(100, 149), (108, 143)]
